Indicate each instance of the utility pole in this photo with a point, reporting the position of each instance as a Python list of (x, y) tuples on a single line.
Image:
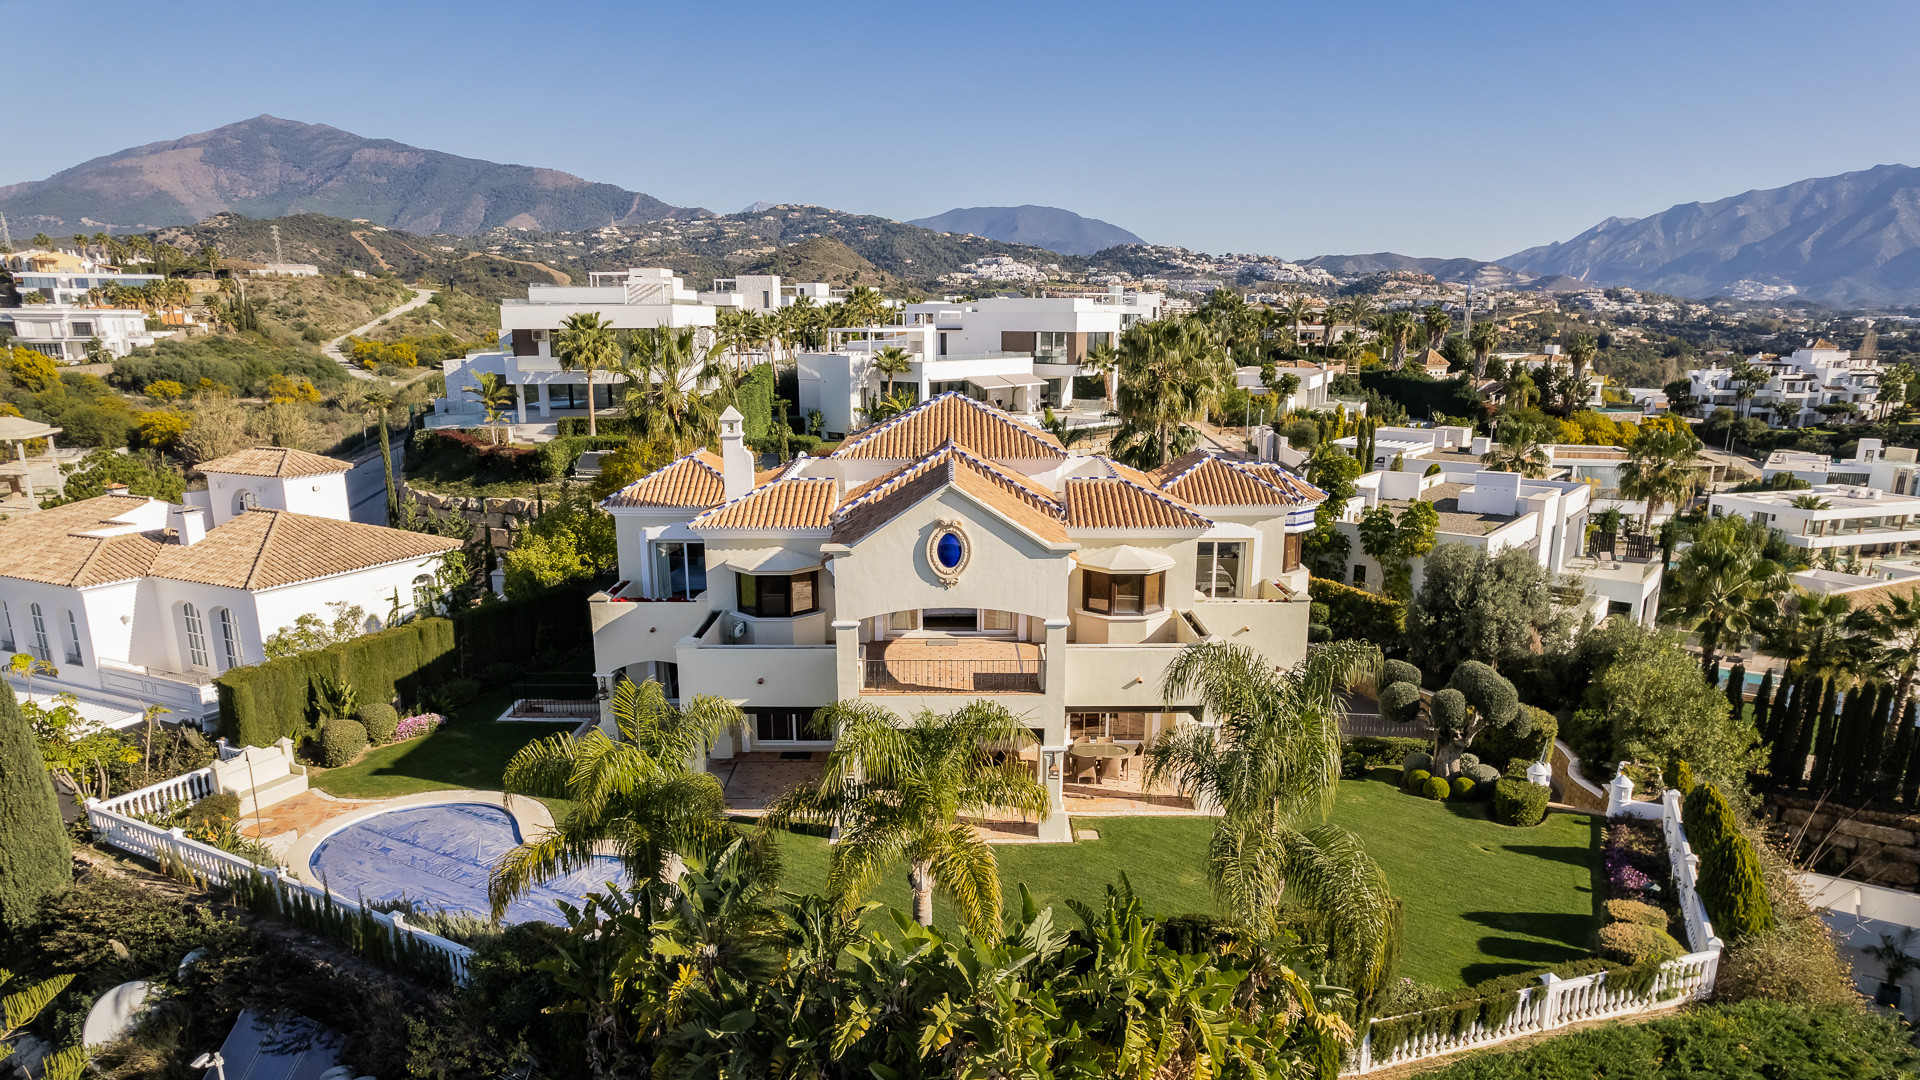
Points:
[(277, 256)]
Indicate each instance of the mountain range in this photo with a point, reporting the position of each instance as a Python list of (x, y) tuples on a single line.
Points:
[(269, 167), (1041, 226)]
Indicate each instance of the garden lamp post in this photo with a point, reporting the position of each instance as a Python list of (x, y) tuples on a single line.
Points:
[(213, 1061)]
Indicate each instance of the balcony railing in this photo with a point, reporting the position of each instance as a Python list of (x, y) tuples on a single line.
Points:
[(953, 676)]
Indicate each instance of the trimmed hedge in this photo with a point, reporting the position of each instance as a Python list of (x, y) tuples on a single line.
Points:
[(1463, 787), (1633, 911), (1500, 746), (1633, 943), (1435, 788), (1377, 751), (492, 643), (1415, 780), (1357, 613), (1517, 802)]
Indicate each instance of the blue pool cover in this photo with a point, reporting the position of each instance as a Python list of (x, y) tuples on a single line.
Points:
[(439, 857)]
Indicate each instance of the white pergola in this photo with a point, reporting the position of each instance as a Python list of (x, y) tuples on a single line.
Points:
[(18, 430)]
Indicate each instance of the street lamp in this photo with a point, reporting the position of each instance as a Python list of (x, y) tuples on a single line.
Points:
[(212, 1061)]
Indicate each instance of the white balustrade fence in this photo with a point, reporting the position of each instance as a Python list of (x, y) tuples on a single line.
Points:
[(1557, 1002), (112, 824)]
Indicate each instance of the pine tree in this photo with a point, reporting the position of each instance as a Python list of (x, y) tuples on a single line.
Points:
[(1737, 690), (1763, 708), (35, 861)]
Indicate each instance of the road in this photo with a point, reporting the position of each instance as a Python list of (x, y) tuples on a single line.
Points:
[(367, 486), (332, 348)]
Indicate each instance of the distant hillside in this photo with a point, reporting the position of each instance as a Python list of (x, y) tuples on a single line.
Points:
[(1847, 239), (1467, 271), (1041, 226), (268, 167), (826, 259)]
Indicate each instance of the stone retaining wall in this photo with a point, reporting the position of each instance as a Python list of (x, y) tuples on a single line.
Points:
[(501, 518), (1860, 845)]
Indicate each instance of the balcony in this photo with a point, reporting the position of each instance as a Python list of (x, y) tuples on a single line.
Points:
[(952, 666)]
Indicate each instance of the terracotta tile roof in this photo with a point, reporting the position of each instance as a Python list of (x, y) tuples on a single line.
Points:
[(1286, 480), (51, 547), (798, 502), (273, 461), (1011, 494), (1204, 479), (1095, 502), (951, 417), (693, 480), (262, 549)]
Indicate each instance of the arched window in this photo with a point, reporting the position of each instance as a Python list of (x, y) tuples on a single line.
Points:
[(423, 594), (196, 637), (373, 624), (40, 649), (229, 638), (73, 638), (6, 627), (243, 501)]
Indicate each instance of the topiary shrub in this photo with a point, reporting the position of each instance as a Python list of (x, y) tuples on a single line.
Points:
[(1394, 672), (1462, 788), (1434, 788), (1731, 882), (1400, 703), (380, 720), (1481, 774), (1353, 765), (1633, 911), (1517, 802), (1448, 710), (1466, 761), (1416, 779), (341, 740), (1416, 760), (221, 806), (1633, 943)]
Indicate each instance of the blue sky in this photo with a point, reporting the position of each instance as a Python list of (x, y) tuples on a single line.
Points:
[(1449, 129)]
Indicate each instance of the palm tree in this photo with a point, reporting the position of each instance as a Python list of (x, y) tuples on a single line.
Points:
[(639, 795), (1438, 322), (1396, 330), (1725, 589), (1485, 337), (1170, 373), (1580, 353), (496, 396), (1296, 310), (42, 241), (895, 794), (1273, 760), (211, 256), (587, 344), (890, 361), (1659, 469), (1891, 629), (1810, 502), (1521, 449), (1817, 636), (864, 305), (665, 373)]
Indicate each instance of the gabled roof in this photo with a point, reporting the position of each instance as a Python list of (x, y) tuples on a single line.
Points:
[(692, 480), (277, 461), (797, 502), (263, 549), (1203, 479), (951, 417), (1822, 343), (1109, 502), (51, 547), (1021, 501)]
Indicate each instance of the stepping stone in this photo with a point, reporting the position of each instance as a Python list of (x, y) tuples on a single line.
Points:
[(1085, 834)]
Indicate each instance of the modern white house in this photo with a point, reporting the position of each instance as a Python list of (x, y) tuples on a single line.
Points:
[(1316, 382), (1847, 520), (1500, 511), (72, 286), (762, 293), (840, 380), (139, 602), (1891, 469), (1056, 331), (66, 332), (1793, 387), (948, 554)]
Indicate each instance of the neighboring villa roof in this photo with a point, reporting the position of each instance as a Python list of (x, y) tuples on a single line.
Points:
[(1203, 479), (693, 480), (1113, 502), (1014, 496), (264, 549), (796, 502), (1430, 358), (278, 461), (1822, 343), (951, 417), (260, 549)]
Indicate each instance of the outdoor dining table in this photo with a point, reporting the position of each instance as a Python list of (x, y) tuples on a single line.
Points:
[(1099, 751)]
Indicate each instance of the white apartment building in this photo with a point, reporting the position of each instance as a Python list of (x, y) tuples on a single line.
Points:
[(1794, 387), (1891, 469), (945, 555), (1499, 511), (761, 293), (66, 331), (841, 380), (140, 602), (72, 286), (1851, 521), (1057, 331)]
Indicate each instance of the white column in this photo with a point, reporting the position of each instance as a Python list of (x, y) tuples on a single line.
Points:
[(546, 406), (520, 403)]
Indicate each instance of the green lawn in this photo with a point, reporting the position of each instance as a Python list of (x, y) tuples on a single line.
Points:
[(1481, 899), (470, 751)]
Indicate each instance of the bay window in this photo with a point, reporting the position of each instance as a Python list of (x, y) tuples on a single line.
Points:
[(1121, 594)]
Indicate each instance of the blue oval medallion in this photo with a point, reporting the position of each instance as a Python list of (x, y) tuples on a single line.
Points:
[(949, 550)]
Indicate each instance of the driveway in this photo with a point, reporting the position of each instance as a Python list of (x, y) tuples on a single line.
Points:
[(332, 348)]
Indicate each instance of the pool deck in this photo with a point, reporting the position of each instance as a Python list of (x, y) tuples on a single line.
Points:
[(530, 816)]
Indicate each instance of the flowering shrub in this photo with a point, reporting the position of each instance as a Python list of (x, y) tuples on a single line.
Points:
[(1636, 863), (419, 724)]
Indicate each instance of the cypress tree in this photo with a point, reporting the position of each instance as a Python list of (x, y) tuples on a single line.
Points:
[(1893, 775), (1825, 736), (1876, 759), (1712, 674), (1910, 782), (1846, 737), (1763, 708), (1737, 689), (1787, 733), (1819, 703), (35, 861)]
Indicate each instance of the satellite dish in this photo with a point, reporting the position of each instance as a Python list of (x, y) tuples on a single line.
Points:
[(113, 1015)]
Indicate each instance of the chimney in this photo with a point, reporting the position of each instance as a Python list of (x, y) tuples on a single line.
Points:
[(1481, 444), (189, 525), (736, 461), (116, 489)]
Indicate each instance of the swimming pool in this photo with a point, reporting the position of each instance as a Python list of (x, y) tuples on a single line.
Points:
[(439, 857)]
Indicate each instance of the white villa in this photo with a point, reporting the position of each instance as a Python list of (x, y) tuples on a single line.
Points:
[(947, 554), (64, 331), (71, 286), (1794, 387), (761, 293), (138, 602), (1851, 521), (1892, 469)]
